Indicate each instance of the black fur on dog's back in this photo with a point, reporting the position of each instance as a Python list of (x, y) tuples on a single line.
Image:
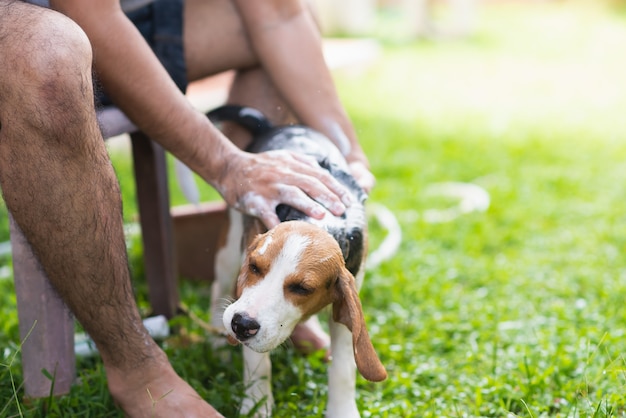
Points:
[(348, 229)]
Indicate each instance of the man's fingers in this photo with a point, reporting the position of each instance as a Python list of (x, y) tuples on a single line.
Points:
[(311, 196), (254, 204), (327, 182), (304, 202), (305, 158), (270, 219), (362, 175)]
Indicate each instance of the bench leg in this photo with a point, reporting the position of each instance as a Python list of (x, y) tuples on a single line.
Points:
[(46, 324), (156, 224)]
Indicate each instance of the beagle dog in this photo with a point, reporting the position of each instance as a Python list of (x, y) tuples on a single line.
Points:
[(291, 272)]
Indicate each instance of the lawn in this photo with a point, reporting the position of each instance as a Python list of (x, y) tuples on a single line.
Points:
[(516, 311)]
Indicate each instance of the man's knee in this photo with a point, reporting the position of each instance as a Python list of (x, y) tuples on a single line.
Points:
[(45, 72), (40, 46)]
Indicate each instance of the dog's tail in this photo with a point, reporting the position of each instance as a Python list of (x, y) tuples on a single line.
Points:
[(247, 117)]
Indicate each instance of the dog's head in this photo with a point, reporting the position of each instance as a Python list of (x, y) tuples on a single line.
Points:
[(290, 273)]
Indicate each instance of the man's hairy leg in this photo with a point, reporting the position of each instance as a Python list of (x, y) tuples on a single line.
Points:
[(59, 185)]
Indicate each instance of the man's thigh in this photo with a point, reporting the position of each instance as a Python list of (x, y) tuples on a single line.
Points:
[(215, 39)]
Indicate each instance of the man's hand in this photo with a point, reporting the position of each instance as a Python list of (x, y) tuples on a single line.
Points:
[(256, 183), (362, 175)]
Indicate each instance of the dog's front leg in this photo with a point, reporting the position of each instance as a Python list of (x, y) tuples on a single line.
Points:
[(341, 374), (227, 264), (257, 377)]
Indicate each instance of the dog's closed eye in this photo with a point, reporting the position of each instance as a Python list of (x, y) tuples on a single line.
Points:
[(254, 269), (300, 289)]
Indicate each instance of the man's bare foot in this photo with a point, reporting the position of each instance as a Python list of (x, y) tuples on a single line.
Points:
[(156, 391), (309, 337)]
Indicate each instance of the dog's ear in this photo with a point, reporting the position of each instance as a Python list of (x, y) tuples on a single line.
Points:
[(347, 310)]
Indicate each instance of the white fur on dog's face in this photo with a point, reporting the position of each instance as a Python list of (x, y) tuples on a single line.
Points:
[(289, 273)]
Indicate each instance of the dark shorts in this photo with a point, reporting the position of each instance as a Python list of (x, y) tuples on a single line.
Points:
[(161, 24)]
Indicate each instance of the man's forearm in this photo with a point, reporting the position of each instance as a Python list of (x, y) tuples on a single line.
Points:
[(288, 45)]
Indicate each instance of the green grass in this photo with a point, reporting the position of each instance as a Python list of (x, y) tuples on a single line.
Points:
[(518, 311)]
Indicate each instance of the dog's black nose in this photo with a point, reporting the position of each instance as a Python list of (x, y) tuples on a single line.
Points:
[(244, 327)]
